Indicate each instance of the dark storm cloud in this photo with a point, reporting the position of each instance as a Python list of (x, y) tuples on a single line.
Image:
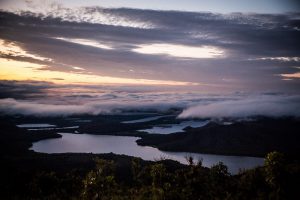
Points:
[(245, 38), (24, 89)]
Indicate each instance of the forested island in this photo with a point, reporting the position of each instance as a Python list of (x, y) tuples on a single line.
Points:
[(253, 138)]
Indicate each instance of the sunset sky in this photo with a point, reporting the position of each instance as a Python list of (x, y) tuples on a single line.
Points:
[(202, 46)]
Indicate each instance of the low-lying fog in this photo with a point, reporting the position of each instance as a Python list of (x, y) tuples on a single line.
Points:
[(184, 105)]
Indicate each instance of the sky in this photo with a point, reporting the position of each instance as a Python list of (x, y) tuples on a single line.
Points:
[(257, 6), (206, 47)]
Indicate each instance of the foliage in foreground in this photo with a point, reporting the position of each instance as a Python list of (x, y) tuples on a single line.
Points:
[(275, 180)]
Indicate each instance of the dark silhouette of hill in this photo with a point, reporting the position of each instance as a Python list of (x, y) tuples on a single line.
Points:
[(254, 138)]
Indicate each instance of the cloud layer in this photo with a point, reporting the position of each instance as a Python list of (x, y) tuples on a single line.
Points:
[(271, 106), (13, 107), (38, 99)]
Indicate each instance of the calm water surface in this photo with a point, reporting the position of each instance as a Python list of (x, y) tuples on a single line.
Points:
[(35, 125), (86, 143)]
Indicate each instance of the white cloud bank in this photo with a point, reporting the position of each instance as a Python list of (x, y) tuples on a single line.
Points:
[(193, 106), (11, 107), (265, 105)]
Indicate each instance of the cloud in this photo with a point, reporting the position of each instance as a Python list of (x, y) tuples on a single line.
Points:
[(85, 42), (264, 105), (12, 107), (293, 75), (180, 50), (45, 99), (243, 38), (283, 59), (10, 48), (24, 89), (92, 15), (86, 100), (24, 70)]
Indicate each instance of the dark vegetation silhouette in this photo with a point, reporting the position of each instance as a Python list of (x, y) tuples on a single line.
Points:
[(277, 179), (29, 175)]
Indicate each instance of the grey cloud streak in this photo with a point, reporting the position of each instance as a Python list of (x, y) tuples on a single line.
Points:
[(24, 89)]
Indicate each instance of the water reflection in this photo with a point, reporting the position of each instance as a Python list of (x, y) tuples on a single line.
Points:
[(35, 125), (85, 143)]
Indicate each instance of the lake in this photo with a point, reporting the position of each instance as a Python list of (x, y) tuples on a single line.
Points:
[(44, 127), (35, 125), (86, 143)]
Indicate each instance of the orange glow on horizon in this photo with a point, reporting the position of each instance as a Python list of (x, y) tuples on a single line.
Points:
[(18, 70), (294, 75)]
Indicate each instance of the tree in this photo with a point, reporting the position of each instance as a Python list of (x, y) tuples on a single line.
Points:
[(275, 173), (219, 180), (100, 183)]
